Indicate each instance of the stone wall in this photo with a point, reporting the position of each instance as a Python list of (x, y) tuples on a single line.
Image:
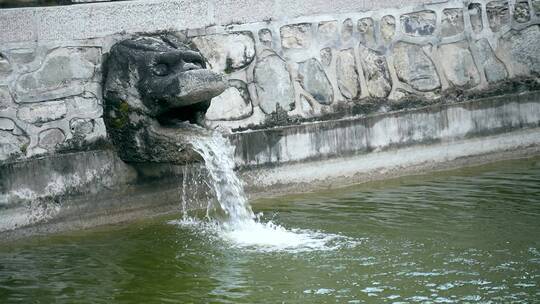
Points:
[(316, 66), (285, 61)]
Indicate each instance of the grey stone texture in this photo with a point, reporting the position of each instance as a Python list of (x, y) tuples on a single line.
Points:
[(475, 14), (522, 11), (326, 56), (347, 74), (536, 6), (265, 37), (314, 80), (328, 31), (494, 70), (51, 138), (230, 105), (298, 58), (452, 22), (414, 67), (227, 53), (388, 27), (347, 30), (520, 50), (367, 31), (458, 65), (376, 72), (498, 14), (273, 83), (296, 36), (419, 23), (63, 72)]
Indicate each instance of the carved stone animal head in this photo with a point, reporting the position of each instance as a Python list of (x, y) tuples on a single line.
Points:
[(151, 83)]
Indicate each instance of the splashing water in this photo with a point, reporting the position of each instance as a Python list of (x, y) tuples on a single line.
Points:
[(228, 213)]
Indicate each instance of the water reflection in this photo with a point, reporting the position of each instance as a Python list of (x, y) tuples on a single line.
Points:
[(465, 236)]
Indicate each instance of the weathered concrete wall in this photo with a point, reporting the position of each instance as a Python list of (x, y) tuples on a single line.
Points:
[(285, 61), (397, 130), (83, 189)]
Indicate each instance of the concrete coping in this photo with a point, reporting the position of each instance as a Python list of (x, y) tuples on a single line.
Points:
[(100, 19)]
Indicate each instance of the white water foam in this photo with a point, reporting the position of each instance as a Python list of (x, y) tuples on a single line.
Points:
[(234, 221)]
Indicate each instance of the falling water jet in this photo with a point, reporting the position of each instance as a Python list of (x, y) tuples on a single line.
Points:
[(228, 212)]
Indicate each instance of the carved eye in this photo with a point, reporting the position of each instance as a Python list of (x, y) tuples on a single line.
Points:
[(161, 69)]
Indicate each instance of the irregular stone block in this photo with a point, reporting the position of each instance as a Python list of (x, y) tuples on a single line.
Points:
[(314, 80), (388, 27), (6, 124), (498, 14), (81, 127), (326, 56), (265, 37), (227, 52), (475, 13), (347, 74), (378, 79), (43, 112), (347, 30), (296, 36), (366, 30), (328, 30), (414, 67), (50, 138), (419, 23), (12, 145), (58, 75), (230, 105), (458, 65), (452, 22), (494, 69), (520, 50), (522, 12), (273, 84)]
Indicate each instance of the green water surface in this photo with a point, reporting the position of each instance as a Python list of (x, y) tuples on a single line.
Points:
[(464, 236)]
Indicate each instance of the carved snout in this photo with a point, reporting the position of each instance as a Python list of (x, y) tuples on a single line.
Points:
[(198, 85)]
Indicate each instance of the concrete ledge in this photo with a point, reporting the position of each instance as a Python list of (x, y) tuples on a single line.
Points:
[(341, 172), (86, 189), (395, 130)]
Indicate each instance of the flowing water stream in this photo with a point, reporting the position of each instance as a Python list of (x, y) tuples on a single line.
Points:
[(228, 212)]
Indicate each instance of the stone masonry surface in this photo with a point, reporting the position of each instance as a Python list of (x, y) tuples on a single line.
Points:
[(304, 59)]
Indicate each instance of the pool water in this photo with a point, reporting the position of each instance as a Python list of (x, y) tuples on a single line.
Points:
[(462, 236)]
